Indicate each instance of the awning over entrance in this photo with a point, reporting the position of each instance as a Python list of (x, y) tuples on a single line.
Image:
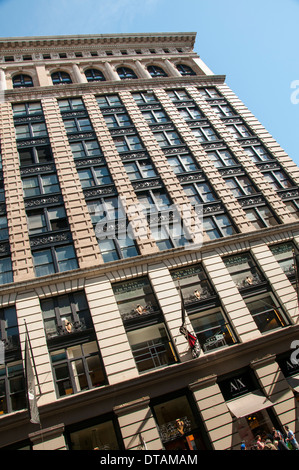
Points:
[(294, 382), (248, 404)]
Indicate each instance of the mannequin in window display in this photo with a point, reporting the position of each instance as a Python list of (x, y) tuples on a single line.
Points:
[(197, 294), (140, 310), (67, 326), (180, 426)]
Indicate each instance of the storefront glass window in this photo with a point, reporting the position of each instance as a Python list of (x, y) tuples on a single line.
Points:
[(249, 407), (178, 426), (97, 437)]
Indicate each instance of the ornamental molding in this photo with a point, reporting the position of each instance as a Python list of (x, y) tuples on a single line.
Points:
[(43, 201), (37, 169), (50, 239), (98, 192), (114, 86), (20, 45)]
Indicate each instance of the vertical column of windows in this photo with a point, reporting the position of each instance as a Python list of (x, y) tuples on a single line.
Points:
[(200, 136), (50, 237), (130, 233), (16, 259), (84, 250), (6, 274), (250, 151), (152, 121)]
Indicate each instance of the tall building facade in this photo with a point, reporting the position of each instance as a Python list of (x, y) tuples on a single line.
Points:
[(145, 331)]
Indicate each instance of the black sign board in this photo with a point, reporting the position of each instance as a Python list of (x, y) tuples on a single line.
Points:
[(237, 385)]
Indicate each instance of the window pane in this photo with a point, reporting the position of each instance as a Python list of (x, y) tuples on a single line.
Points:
[(43, 262), (151, 347), (66, 258)]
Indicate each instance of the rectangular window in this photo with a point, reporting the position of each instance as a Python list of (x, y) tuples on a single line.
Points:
[(40, 184), (285, 255), (33, 155), (240, 186), (108, 100), (144, 97), (128, 143), (6, 274), (212, 329), (218, 226), (31, 130), (9, 331), (258, 153), (266, 314), (54, 259), (135, 298), (209, 93), (117, 120), (47, 220), (239, 131), (94, 176), (85, 149), (71, 104), (66, 314), (221, 158), (101, 436), (140, 169), (167, 138), (77, 368), (77, 125), (261, 217), (205, 134), (278, 179), (12, 387), (155, 116), (190, 113), (3, 228), (182, 163), (27, 109), (199, 193), (193, 283), (243, 270), (151, 347)]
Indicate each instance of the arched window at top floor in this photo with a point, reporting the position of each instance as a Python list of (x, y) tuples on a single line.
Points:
[(185, 69), (126, 73), (156, 71), (21, 80), (94, 75), (59, 78)]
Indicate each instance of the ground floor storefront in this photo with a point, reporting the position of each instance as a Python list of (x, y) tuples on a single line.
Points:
[(211, 403)]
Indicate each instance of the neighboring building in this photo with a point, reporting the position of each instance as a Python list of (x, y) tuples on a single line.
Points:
[(88, 121)]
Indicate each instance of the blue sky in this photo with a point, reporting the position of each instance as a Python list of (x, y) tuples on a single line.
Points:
[(254, 43)]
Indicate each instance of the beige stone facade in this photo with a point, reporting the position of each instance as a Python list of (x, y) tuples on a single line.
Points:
[(89, 120)]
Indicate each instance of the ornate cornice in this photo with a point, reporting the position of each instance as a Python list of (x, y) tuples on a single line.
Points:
[(182, 39)]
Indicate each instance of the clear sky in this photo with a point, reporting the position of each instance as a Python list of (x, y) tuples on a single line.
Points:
[(254, 43)]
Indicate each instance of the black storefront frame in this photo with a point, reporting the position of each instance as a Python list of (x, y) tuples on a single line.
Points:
[(194, 409), (97, 420), (254, 386)]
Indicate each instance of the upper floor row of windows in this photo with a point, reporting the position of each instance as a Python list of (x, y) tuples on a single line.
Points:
[(21, 80), (79, 54)]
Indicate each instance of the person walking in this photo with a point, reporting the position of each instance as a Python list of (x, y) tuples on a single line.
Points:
[(291, 438), (278, 437)]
